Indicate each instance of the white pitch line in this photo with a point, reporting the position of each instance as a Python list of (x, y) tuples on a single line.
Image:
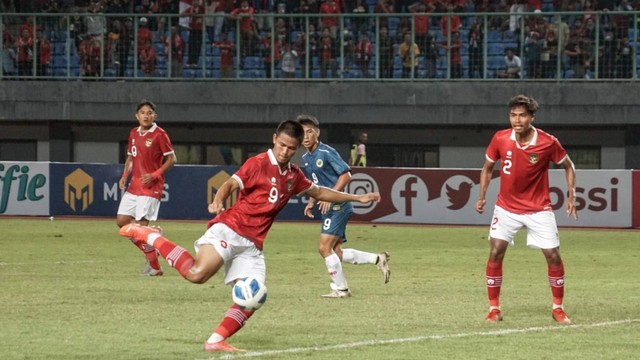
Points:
[(59, 262), (421, 338)]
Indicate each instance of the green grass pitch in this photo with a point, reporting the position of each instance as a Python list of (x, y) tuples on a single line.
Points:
[(72, 289)]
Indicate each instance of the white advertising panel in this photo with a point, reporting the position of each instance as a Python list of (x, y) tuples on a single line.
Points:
[(24, 188)]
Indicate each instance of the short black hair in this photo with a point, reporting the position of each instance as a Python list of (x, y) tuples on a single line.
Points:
[(148, 103), (291, 128), (306, 119), (525, 101)]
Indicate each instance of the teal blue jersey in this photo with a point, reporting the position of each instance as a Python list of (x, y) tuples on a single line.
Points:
[(324, 166)]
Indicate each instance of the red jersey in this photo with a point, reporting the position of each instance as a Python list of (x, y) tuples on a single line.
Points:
[(144, 35), (148, 151), (329, 8), (226, 52), (264, 191), (45, 52), (456, 24), (524, 171), (246, 22)]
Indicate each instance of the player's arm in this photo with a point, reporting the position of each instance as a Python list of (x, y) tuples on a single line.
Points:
[(340, 184), (128, 166), (342, 181), (570, 175), (229, 186), (485, 179), (326, 194), (169, 161)]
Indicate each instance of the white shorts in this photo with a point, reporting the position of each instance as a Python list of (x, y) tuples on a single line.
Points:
[(241, 256), (542, 231), (139, 207)]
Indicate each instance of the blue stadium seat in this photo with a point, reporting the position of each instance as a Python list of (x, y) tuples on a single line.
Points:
[(495, 62), (161, 62), (130, 73), (189, 73), (511, 45), (253, 62), (159, 48), (61, 72), (494, 36), (253, 74), (213, 62), (75, 60), (495, 49), (58, 61), (393, 22), (59, 48), (203, 74), (397, 62)]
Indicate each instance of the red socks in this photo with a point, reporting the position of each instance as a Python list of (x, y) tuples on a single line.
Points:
[(494, 282), (556, 280), (233, 321), (176, 256), (149, 252)]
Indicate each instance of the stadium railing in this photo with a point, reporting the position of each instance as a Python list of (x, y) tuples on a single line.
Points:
[(608, 44)]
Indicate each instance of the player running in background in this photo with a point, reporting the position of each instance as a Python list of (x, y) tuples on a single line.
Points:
[(149, 156), (523, 201), (235, 237), (324, 166)]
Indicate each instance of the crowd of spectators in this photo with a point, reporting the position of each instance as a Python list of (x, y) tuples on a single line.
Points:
[(107, 33)]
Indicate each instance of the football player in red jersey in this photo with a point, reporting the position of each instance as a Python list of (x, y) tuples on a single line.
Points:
[(149, 156), (236, 235), (523, 201)]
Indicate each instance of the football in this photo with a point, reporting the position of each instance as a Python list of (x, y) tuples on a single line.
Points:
[(249, 293)]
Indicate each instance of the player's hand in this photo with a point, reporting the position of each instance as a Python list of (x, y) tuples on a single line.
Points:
[(216, 207), (308, 210), (122, 183), (572, 211), (480, 205), (365, 198), (324, 206), (147, 178)]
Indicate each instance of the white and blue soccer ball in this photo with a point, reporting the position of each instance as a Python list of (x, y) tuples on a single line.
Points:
[(249, 293)]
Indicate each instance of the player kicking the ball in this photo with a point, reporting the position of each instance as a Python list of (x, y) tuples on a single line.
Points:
[(523, 200), (235, 237)]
